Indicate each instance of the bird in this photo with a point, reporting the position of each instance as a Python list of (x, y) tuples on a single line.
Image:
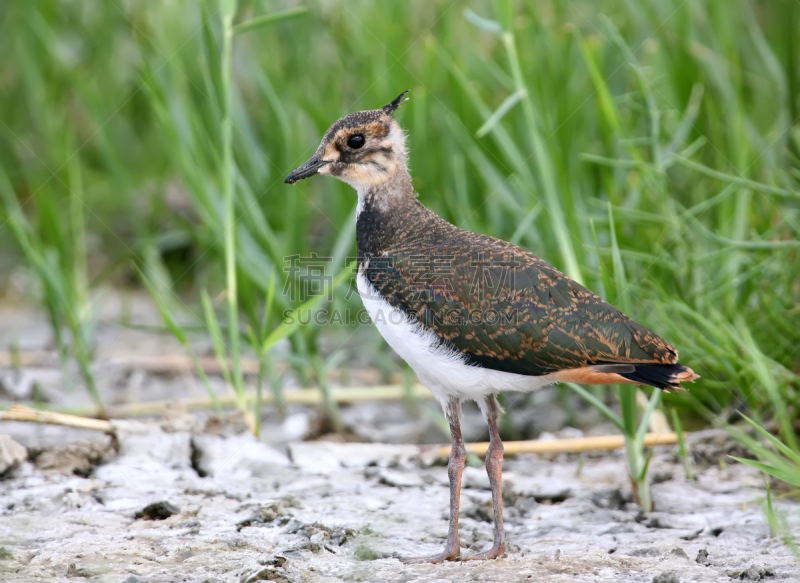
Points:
[(472, 315)]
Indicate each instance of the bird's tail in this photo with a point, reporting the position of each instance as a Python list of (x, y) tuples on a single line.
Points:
[(666, 377)]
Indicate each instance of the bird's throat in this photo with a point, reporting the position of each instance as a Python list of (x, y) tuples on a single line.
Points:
[(385, 196)]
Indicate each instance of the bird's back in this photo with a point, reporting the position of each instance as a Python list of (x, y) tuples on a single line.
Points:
[(500, 306)]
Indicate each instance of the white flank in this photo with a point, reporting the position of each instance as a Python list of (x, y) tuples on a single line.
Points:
[(442, 370)]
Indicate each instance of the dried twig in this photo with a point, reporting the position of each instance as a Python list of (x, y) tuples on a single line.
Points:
[(574, 445), (19, 413)]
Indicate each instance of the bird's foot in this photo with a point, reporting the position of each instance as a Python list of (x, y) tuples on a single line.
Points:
[(448, 554), (497, 550)]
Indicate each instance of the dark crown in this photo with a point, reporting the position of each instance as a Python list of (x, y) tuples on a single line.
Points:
[(360, 118)]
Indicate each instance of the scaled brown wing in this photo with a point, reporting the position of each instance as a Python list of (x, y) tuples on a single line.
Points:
[(507, 310)]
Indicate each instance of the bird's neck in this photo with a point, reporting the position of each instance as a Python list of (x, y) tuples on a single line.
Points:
[(382, 209), (387, 195)]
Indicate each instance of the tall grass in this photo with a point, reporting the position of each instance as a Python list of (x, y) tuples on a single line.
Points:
[(54, 248), (668, 127)]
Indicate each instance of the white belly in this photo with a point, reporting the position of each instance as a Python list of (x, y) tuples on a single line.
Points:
[(442, 370)]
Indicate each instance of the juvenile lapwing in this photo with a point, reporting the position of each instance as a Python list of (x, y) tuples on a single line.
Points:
[(473, 315)]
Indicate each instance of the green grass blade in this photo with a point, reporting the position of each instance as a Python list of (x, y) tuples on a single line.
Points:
[(176, 330), (779, 445), (217, 340), (498, 114), (682, 450), (483, 23), (601, 407), (785, 473), (286, 329), (652, 403), (261, 21), (622, 296), (723, 176)]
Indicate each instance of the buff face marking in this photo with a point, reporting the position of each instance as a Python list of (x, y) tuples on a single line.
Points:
[(364, 149)]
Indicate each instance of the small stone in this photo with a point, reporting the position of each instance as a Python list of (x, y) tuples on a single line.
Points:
[(317, 541), (399, 480), (660, 477), (702, 557), (75, 572), (481, 511), (679, 552), (11, 453), (751, 573), (340, 535), (265, 514), (646, 552), (655, 522), (264, 574), (364, 552), (278, 560), (157, 511), (692, 535), (552, 497), (611, 499), (667, 577), (78, 458)]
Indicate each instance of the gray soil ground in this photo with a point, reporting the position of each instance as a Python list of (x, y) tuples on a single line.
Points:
[(188, 499), (326, 511)]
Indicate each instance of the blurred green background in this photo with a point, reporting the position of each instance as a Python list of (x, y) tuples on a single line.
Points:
[(649, 149)]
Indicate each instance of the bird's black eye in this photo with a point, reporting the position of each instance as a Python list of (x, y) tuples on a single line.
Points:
[(355, 141)]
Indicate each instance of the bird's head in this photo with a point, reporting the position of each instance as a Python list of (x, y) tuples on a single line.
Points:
[(364, 149)]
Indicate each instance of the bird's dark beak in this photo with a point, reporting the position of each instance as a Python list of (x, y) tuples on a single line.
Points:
[(310, 168)]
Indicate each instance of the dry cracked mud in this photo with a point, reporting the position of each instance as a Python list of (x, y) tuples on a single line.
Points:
[(175, 505)]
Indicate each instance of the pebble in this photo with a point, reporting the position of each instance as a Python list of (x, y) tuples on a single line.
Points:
[(399, 480), (667, 577), (157, 511), (11, 453)]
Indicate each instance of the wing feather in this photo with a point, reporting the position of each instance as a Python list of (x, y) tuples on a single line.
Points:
[(504, 308)]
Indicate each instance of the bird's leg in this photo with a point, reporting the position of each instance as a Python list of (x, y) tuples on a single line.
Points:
[(455, 467), (494, 467)]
